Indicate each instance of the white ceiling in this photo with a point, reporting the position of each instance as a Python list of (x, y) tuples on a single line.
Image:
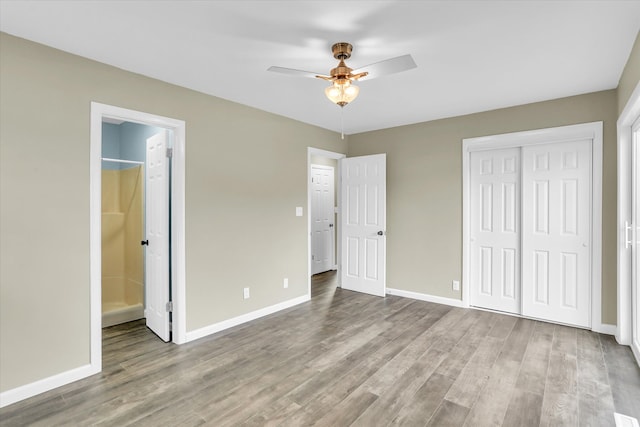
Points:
[(472, 55)]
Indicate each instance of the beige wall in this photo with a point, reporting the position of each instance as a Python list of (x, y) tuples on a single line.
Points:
[(245, 174), (630, 76), (424, 188)]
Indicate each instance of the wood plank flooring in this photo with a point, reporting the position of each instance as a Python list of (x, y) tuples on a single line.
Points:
[(346, 358)]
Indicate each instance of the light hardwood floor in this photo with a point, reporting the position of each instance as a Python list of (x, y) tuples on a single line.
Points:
[(351, 359)]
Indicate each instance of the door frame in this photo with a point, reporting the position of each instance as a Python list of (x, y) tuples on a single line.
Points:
[(627, 118), (311, 151), (591, 131), (177, 194)]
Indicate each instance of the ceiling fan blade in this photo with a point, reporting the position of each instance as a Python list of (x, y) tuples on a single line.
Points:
[(388, 66), (293, 72)]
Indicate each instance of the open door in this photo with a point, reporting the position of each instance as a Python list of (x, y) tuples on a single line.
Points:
[(157, 237), (363, 218)]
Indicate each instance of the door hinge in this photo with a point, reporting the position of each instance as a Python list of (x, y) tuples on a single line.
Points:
[(170, 306), (170, 326), (313, 257), (169, 152)]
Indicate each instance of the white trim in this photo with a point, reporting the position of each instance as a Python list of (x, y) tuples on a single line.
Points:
[(244, 318), (336, 179), (604, 328), (32, 389), (629, 115), (98, 112), (426, 297), (592, 131), (624, 420), (533, 137)]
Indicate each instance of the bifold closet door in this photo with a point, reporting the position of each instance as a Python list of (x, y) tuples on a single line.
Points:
[(495, 229), (556, 232)]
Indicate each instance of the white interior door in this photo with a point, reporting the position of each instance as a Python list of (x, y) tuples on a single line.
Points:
[(495, 229), (363, 221), (635, 263), (556, 232), (157, 235), (322, 218)]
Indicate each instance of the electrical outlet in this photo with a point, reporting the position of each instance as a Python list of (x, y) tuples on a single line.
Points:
[(285, 283), (456, 285), (246, 293)]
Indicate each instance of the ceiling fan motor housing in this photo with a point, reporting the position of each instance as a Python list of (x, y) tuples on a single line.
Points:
[(342, 50)]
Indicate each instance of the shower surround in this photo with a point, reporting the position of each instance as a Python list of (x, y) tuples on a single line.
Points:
[(122, 253)]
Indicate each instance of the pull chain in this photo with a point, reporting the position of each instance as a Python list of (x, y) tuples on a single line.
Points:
[(342, 122)]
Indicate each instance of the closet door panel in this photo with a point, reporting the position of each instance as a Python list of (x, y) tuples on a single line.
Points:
[(556, 232), (495, 228)]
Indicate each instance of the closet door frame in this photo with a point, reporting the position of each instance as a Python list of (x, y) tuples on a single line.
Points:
[(591, 131)]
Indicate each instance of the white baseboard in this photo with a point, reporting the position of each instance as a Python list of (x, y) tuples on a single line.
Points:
[(625, 420), (235, 321), (603, 328), (426, 297), (29, 390)]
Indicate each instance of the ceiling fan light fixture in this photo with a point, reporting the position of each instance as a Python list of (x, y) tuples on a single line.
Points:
[(342, 92)]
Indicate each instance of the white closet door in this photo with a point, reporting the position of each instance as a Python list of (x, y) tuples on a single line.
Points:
[(495, 229), (556, 232)]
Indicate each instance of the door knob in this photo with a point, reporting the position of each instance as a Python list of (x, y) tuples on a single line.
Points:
[(330, 225), (380, 233)]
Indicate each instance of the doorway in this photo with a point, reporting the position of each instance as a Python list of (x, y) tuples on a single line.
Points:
[(163, 128), (532, 224), (135, 225), (324, 206), (360, 221), (628, 126), (323, 214), (635, 250)]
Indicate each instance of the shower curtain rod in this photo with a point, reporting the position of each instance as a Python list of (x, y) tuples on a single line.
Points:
[(133, 162)]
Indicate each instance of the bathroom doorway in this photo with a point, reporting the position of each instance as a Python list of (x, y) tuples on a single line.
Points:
[(137, 223), (135, 212)]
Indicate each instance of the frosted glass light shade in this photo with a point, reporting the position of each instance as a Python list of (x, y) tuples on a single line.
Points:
[(342, 92)]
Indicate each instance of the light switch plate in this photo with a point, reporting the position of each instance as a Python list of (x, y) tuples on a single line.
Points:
[(298, 210)]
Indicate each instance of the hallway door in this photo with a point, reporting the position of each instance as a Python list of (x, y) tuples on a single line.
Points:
[(363, 222), (322, 218), (157, 236)]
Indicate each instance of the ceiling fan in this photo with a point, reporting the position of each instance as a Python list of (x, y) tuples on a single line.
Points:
[(342, 90)]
